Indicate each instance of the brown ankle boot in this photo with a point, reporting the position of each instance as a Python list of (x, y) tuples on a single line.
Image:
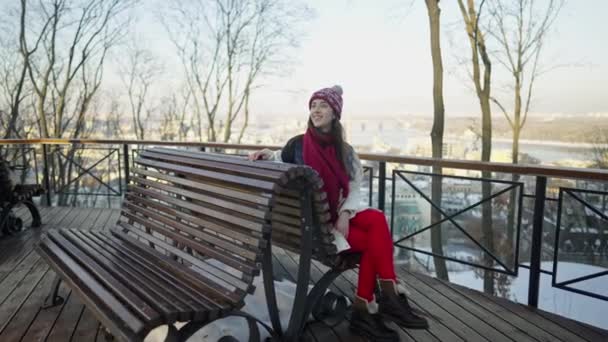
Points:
[(395, 307), (370, 326)]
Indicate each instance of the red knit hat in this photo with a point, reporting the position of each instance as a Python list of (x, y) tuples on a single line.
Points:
[(333, 96)]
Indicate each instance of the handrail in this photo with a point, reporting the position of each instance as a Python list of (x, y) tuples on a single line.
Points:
[(521, 169)]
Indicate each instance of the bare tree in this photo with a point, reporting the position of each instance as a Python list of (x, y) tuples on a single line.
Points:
[(471, 16), (224, 47), (112, 127), (520, 28), (173, 109), (76, 41), (66, 70), (600, 150), (14, 87), (434, 13), (138, 73)]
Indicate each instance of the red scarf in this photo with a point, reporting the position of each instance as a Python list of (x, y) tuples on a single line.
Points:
[(319, 152)]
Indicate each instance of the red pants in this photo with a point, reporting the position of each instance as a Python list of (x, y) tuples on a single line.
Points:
[(369, 234)]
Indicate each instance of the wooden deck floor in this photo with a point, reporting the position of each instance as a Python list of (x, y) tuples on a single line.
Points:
[(455, 313)]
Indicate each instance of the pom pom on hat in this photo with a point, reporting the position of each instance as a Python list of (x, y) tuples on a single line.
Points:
[(333, 96), (338, 89)]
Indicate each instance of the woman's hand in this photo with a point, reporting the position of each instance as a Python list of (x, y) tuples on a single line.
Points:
[(260, 155), (342, 223)]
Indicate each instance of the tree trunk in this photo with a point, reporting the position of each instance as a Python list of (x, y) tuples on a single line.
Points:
[(482, 89), (434, 13), (246, 123)]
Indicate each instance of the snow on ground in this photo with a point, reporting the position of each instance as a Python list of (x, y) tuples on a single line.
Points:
[(255, 304)]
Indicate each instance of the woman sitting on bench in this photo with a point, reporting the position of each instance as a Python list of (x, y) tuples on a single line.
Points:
[(323, 148)]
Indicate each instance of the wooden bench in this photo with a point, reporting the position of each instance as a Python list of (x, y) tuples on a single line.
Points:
[(13, 196), (195, 229)]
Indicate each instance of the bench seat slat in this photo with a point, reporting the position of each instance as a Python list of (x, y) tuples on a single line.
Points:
[(214, 273), (107, 279), (140, 282), (217, 293), (112, 313), (178, 278), (175, 281)]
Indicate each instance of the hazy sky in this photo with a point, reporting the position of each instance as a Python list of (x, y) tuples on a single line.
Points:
[(378, 51)]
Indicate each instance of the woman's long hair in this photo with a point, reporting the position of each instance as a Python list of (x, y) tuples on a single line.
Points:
[(337, 131)]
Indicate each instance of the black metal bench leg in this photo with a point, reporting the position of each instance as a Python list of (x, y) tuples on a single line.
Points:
[(271, 297), (173, 334), (53, 299), (325, 306), (298, 315), (4, 218), (36, 220)]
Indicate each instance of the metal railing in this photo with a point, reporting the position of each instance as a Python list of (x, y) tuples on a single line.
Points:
[(592, 237), (375, 166), (509, 187)]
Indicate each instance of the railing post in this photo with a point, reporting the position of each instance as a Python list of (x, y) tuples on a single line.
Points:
[(45, 173), (125, 155), (381, 185), (537, 240)]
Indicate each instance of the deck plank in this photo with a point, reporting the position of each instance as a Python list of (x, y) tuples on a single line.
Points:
[(15, 304), (527, 318), (91, 220), (457, 310), (87, 327), (102, 219), (44, 320), (16, 248), (68, 319), (54, 221), (15, 278), (78, 218), (113, 219), (508, 331), (586, 332)]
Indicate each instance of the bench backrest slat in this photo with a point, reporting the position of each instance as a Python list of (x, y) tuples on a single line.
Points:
[(183, 233), (213, 227), (208, 188), (214, 212)]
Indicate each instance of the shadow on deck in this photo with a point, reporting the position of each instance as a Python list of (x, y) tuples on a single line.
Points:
[(455, 313)]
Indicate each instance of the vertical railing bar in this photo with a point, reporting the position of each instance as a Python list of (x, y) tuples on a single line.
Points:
[(125, 153), (392, 203), (537, 240), (47, 183), (381, 185)]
